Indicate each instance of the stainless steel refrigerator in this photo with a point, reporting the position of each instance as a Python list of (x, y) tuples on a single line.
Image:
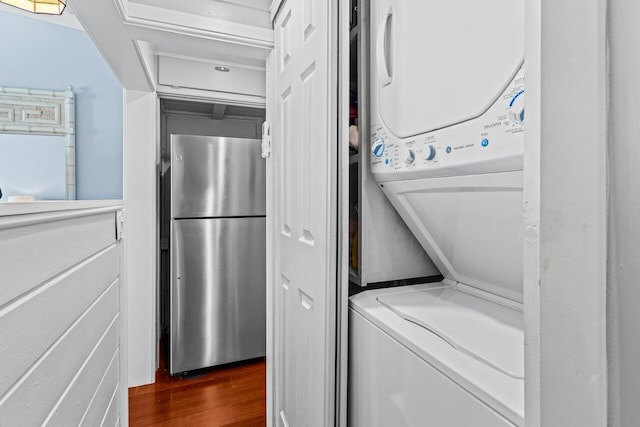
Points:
[(218, 252)]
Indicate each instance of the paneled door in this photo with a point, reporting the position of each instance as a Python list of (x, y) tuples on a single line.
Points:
[(303, 110)]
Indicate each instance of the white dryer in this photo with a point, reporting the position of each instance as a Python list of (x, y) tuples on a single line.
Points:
[(447, 147)]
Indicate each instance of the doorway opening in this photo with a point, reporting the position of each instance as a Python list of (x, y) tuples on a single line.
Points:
[(179, 117)]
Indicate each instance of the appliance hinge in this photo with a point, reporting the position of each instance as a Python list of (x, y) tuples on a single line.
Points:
[(119, 225), (449, 282), (266, 139)]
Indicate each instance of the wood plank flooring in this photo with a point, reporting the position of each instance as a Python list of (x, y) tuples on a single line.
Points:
[(231, 396)]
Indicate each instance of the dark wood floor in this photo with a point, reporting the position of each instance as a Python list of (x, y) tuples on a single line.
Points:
[(232, 396)]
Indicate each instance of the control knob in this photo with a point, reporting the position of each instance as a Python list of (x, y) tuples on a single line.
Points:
[(411, 156), (430, 153), (516, 108), (377, 147)]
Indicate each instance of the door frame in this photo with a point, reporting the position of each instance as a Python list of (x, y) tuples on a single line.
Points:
[(271, 233), (565, 213), (342, 297), (228, 99)]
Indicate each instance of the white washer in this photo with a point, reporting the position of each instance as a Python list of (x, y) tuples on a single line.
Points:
[(402, 373), (447, 144)]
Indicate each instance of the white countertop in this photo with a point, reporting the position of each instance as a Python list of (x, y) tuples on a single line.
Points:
[(9, 209)]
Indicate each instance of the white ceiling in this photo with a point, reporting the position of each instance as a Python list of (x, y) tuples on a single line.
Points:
[(131, 33), (250, 12), (253, 4)]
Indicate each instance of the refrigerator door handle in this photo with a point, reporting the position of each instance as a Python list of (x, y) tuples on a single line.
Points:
[(266, 139)]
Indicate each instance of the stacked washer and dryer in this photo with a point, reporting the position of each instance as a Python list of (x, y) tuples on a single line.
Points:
[(447, 141)]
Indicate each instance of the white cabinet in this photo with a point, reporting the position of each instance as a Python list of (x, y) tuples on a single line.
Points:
[(61, 322), (211, 76)]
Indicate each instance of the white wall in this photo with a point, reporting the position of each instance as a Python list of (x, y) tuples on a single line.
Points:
[(624, 208), (140, 231), (44, 55), (33, 165)]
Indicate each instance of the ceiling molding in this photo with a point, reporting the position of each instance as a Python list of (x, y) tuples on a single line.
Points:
[(142, 15), (148, 60), (185, 94), (223, 62), (249, 12), (123, 8)]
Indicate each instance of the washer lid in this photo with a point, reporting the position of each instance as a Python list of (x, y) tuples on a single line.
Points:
[(471, 227), (486, 331), (443, 62)]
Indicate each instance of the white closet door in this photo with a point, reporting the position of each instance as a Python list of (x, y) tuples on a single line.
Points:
[(304, 193)]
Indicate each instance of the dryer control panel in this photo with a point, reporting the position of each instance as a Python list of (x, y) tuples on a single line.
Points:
[(492, 142)]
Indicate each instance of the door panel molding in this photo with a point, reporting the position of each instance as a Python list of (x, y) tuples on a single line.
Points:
[(303, 106)]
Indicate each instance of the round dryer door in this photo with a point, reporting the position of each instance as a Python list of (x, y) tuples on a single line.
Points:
[(442, 62)]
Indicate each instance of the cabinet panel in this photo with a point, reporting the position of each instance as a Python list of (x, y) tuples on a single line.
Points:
[(31, 255), (61, 323), (192, 74), (34, 323)]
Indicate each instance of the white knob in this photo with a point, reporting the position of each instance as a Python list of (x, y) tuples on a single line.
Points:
[(516, 108), (411, 156)]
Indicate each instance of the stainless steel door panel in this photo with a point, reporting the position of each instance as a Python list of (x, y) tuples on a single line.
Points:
[(216, 177), (218, 286)]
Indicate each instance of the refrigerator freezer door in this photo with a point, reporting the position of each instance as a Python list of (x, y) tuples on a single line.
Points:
[(216, 177), (217, 292)]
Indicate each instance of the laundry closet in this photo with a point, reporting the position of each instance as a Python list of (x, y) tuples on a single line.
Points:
[(440, 171)]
